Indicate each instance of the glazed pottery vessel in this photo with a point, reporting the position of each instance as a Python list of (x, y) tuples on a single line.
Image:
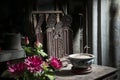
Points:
[(81, 60)]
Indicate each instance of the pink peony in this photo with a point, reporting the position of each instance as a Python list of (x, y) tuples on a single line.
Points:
[(34, 63), (55, 63), (16, 69), (37, 44)]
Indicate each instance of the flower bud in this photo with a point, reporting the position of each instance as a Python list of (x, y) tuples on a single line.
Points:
[(38, 44), (26, 40)]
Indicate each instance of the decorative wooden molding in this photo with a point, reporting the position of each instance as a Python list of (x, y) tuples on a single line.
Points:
[(46, 12)]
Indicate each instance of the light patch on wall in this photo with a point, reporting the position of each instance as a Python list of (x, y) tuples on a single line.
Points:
[(77, 41)]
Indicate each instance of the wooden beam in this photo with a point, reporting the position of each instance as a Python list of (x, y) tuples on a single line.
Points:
[(46, 12)]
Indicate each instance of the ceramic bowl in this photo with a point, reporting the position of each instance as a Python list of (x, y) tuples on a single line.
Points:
[(83, 60)]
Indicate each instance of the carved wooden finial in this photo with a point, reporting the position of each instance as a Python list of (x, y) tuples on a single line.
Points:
[(51, 20)]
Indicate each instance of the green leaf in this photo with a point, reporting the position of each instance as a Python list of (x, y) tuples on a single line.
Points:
[(6, 74), (27, 49), (42, 53), (50, 76)]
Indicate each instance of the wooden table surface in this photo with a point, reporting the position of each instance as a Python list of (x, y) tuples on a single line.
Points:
[(97, 72)]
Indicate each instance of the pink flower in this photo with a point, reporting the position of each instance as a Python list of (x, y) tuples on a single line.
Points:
[(16, 69), (37, 44), (26, 40), (34, 63), (55, 63)]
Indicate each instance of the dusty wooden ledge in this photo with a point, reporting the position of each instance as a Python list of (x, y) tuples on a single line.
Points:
[(98, 73)]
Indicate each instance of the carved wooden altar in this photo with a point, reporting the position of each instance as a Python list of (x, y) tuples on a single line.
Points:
[(58, 32)]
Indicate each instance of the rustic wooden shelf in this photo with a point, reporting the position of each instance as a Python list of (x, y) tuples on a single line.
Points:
[(98, 73), (6, 55)]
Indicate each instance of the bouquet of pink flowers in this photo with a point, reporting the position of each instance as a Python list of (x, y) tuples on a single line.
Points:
[(36, 65)]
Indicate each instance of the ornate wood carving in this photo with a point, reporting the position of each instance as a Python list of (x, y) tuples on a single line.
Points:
[(59, 39), (37, 22), (51, 21), (58, 34), (58, 48), (38, 30), (67, 35)]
